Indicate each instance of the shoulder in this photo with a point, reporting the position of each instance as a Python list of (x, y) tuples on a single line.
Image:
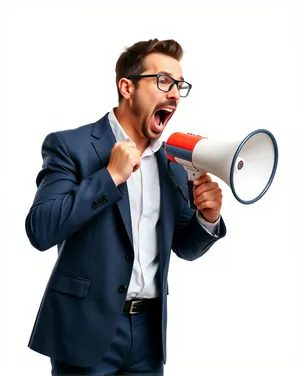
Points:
[(80, 132), (75, 138)]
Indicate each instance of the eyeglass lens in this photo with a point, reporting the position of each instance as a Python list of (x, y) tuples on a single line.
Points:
[(165, 83)]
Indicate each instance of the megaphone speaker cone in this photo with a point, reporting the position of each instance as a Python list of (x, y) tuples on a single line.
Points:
[(254, 166)]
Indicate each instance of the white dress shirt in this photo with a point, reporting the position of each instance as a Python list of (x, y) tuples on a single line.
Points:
[(144, 198)]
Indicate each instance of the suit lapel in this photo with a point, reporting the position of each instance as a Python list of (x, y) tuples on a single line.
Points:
[(167, 208), (103, 142)]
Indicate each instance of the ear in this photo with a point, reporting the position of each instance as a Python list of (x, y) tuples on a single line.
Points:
[(126, 87)]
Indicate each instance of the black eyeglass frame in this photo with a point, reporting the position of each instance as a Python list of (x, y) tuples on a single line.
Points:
[(158, 75)]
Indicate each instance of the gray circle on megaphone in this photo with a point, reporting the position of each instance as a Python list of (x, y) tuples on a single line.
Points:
[(234, 161)]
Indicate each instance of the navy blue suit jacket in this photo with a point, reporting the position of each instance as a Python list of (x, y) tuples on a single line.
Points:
[(78, 207)]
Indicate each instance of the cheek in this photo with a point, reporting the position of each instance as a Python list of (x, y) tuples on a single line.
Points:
[(145, 103), (153, 101), (137, 105)]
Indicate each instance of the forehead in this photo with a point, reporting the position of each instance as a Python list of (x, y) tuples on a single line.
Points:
[(157, 62)]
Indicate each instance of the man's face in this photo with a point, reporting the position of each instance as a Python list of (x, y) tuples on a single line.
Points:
[(151, 107)]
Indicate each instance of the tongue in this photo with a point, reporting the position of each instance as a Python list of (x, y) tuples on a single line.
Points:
[(157, 118), (158, 126)]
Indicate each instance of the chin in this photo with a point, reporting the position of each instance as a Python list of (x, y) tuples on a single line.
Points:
[(150, 134), (153, 135)]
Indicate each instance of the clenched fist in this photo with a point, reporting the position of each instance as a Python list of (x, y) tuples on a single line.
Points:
[(207, 198), (124, 160)]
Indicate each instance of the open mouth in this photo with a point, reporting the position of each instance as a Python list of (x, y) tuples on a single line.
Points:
[(162, 116)]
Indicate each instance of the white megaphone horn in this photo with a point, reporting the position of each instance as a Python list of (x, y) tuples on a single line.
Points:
[(248, 167)]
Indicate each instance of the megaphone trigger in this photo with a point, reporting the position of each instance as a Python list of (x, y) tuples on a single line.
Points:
[(193, 174)]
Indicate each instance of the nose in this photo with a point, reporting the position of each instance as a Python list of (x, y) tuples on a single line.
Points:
[(174, 93)]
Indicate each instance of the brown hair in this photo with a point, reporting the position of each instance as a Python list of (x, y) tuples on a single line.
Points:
[(131, 61)]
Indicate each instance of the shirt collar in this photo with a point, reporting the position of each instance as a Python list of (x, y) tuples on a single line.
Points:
[(121, 135)]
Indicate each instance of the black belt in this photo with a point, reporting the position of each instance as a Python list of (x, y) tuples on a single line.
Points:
[(138, 306)]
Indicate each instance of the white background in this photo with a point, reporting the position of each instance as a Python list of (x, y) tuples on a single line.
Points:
[(234, 311)]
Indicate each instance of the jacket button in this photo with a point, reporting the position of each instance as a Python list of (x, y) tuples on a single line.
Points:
[(95, 205), (129, 257), (101, 200), (122, 288)]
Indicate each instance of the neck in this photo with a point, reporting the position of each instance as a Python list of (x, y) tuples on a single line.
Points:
[(126, 119)]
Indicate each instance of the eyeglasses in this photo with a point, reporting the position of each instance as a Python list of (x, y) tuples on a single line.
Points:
[(166, 83)]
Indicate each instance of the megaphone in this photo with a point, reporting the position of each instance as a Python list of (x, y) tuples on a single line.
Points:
[(248, 167)]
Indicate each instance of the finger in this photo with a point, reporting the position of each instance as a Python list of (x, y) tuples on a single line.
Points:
[(214, 195), (202, 179), (121, 147), (136, 167), (126, 145), (136, 161), (212, 205), (205, 187), (128, 141), (130, 153), (136, 154), (215, 202)]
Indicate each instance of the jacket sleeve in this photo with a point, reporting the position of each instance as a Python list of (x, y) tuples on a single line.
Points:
[(63, 204), (190, 239)]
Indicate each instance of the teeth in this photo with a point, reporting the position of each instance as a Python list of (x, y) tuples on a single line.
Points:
[(167, 109)]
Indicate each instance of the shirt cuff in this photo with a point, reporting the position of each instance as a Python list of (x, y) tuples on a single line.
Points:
[(212, 228)]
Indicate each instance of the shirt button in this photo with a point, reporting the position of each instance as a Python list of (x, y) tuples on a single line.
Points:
[(122, 288)]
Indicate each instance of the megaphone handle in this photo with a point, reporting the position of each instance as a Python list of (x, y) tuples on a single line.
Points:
[(190, 185), (192, 175)]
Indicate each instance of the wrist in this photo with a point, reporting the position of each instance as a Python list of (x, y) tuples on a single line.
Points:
[(115, 177), (209, 219)]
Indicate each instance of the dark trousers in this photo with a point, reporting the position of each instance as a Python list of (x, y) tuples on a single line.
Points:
[(135, 349)]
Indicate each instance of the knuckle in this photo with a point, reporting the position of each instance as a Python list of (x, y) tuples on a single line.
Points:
[(197, 193), (124, 147), (116, 146), (205, 196)]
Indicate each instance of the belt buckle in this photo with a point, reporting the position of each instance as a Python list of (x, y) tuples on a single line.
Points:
[(133, 305)]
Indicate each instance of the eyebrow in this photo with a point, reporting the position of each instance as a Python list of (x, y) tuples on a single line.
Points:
[(169, 74)]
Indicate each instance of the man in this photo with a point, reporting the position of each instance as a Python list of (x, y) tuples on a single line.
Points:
[(109, 201)]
